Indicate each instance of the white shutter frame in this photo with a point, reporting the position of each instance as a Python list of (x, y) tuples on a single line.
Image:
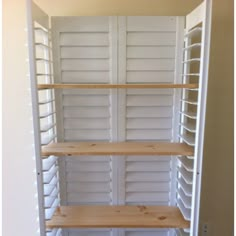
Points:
[(202, 98)]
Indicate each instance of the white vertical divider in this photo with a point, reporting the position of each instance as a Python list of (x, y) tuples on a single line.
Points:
[(59, 109), (113, 47), (121, 108), (201, 113), (114, 98), (36, 123)]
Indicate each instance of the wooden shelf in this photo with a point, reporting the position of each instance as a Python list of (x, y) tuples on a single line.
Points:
[(104, 86), (117, 217), (122, 148)]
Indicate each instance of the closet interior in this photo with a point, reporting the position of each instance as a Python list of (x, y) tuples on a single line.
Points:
[(119, 112)]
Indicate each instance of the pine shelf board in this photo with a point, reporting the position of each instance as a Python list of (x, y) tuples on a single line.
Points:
[(117, 217), (104, 86), (120, 148)]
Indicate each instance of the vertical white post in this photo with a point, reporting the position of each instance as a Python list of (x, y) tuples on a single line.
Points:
[(121, 108), (202, 98), (37, 137), (113, 34)]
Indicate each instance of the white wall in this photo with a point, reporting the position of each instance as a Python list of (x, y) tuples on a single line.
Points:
[(19, 201)]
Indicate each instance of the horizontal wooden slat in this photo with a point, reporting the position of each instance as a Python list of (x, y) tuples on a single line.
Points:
[(147, 187), (84, 39), (122, 148), (150, 65), (85, 65), (87, 134), (84, 52), (85, 198), (85, 76), (91, 177), (147, 196), (102, 86), (88, 24), (149, 100), (86, 100), (151, 23), (86, 112), (151, 39), (117, 217), (149, 112), (150, 76), (147, 176), (148, 134), (150, 52)]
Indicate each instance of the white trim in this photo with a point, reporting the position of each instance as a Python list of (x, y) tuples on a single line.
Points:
[(196, 16), (59, 111), (202, 98), (35, 110)]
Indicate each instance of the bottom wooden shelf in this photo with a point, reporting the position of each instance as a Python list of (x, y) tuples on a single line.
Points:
[(117, 217)]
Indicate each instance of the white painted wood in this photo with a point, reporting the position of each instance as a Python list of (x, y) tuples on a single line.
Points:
[(150, 65), (147, 39), (85, 76), (151, 23), (85, 65), (154, 52), (86, 101), (149, 123), (89, 198), (146, 232), (84, 124), (153, 134), (202, 99), (84, 39), (122, 38), (148, 176), (150, 76), (87, 112), (196, 16), (88, 166), (39, 16), (149, 112), (87, 135), (94, 177), (149, 100), (84, 24), (89, 187), (146, 187), (144, 166), (124, 50), (147, 197), (85, 52)]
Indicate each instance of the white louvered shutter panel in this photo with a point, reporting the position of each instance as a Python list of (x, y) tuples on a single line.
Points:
[(84, 48), (147, 48)]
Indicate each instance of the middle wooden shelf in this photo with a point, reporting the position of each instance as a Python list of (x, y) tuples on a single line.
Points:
[(110, 86), (120, 148)]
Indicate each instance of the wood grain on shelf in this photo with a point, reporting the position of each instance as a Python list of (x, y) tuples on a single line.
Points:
[(120, 148), (117, 217), (103, 86)]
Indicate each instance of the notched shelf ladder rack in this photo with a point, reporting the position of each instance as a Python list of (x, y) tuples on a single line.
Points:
[(150, 80)]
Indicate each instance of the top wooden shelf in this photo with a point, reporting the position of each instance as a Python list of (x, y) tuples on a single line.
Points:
[(125, 86), (120, 148), (117, 217)]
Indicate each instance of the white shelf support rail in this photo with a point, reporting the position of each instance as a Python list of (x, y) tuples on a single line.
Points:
[(193, 114), (205, 8), (43, 114)]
